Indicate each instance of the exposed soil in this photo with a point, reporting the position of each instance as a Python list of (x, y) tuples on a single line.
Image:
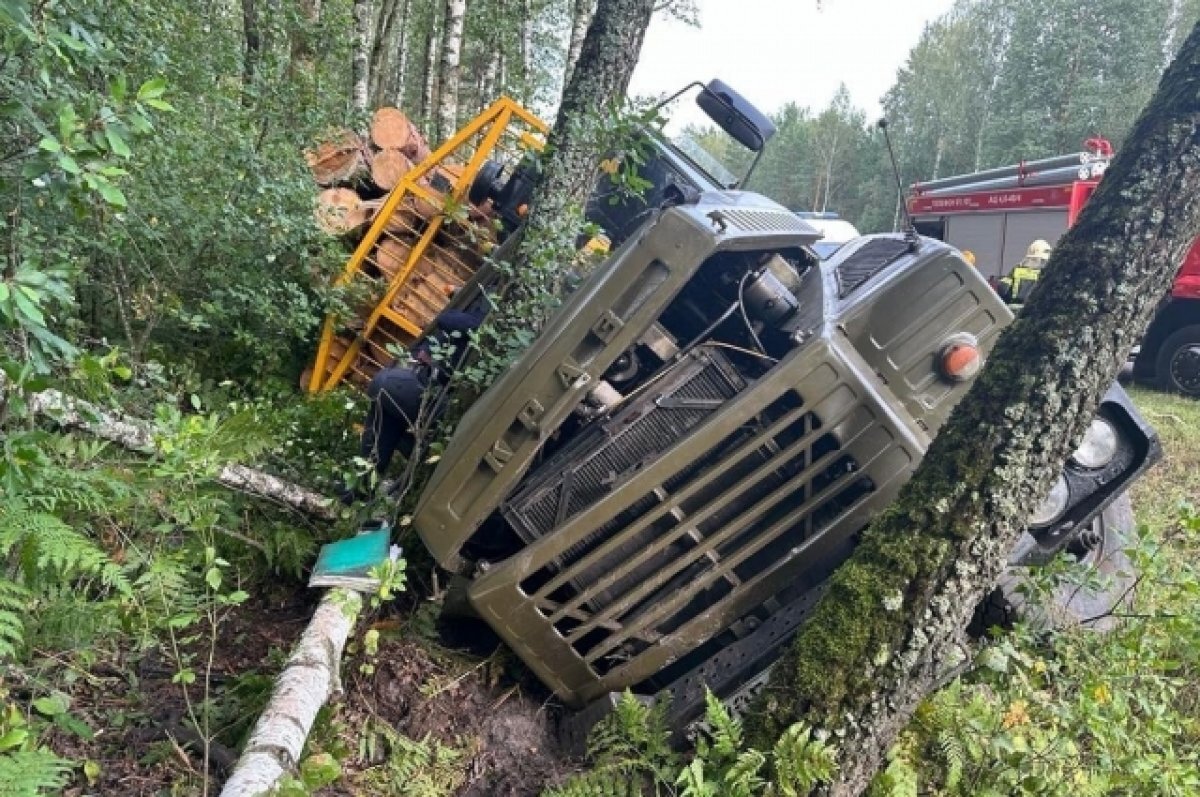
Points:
[(506, 728), (481, 704)]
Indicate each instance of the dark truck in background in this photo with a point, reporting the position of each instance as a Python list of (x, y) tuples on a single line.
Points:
[(653, 495)]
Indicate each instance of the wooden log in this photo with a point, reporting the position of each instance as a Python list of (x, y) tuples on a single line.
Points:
[(138, 435), (311, 676), (417, 148), (339, 211), (340, 159), (388, 166), (390, 256), (391, 129)]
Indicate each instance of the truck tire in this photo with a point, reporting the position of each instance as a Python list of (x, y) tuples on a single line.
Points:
[(1112, 534), (1177, 366)]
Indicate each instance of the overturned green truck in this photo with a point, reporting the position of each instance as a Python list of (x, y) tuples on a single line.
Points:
[(653, 495)]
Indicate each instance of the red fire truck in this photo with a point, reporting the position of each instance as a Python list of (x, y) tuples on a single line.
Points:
[(996, 214)]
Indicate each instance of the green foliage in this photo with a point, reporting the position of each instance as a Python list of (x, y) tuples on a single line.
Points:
[(630, 754), (27, 769), (411, 768), (47, 545), (1078, 712), (14, 602)]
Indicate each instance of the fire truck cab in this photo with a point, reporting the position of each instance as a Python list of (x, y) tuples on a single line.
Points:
[(996, 214)]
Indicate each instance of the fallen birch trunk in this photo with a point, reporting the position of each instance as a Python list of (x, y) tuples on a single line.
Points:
[(310, 678), (138, 436)]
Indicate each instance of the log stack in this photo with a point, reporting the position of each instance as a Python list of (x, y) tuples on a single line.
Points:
[(356, 174)]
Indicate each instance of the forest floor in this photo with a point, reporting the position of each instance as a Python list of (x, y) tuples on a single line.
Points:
[(417, 717)]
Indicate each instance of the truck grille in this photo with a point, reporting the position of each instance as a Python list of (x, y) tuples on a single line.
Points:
[(867, 261), (606, 453), (706, 536)]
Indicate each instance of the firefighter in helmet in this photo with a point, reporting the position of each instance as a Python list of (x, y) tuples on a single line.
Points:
[(1020, 281)]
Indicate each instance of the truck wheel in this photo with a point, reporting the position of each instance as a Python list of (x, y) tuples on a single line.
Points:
[(1178, 363), (1105, 547)]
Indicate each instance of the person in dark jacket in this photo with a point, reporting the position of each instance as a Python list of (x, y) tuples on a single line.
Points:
[(397, 392)]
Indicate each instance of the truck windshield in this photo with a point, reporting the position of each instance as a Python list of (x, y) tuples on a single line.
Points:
[(691, 146), (691, 135)]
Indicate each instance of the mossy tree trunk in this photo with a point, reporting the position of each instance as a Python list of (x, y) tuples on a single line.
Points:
[(859, 668)]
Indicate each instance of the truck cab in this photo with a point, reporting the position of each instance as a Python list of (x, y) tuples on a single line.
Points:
[(652, 496)]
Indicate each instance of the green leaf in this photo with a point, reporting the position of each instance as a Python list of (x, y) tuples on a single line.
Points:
[(111, 194), (213, 578), (161, 105), (14, 738), (185, 676), (68, 164), (152, 89), (116, 143), (50, 144), (319, 770), (51, 706), (91, 771), (3, 291), (28, 308)]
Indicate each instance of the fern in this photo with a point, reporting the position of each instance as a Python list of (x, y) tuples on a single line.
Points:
[(415, 768), (46, 543), (31, 773), (14, 603), (801, 762)]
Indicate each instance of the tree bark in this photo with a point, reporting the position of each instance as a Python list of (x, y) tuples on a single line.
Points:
[(252, 35), (581, 18), (526, 51), (607, 57), (452, 33), (381, 52), (306, 683), (858, 668), (400, 73), (429, 82), (360, 61)]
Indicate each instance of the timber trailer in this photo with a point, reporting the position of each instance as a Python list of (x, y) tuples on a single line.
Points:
[(997, 213)]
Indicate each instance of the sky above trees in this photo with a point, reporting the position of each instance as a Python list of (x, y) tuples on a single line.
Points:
[(780, 51)]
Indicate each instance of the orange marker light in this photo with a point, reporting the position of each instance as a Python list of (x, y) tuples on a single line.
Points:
[(961, 361)]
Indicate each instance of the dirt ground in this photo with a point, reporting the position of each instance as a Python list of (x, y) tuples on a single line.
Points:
[(491, 727)]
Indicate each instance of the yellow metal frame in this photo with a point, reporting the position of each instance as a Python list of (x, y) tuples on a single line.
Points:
[(491, 124)]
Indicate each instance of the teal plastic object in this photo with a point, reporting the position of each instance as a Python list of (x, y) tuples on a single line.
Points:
[(351, 558)]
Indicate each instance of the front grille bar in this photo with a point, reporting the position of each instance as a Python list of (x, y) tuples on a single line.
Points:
[(667, 607), (700, 516)]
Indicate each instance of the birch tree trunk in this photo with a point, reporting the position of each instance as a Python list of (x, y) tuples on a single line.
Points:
[(399, 75), (452, 33), (581, 17), (361, 60), (526, 51), (860, 666), (137, 435), (429, 81), (308, 680)]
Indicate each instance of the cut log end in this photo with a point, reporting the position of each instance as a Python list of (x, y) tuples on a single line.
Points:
[(339, 211), (388, 167)]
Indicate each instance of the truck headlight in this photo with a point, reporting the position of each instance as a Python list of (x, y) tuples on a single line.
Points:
[(1055, 504), (1099, 445)]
